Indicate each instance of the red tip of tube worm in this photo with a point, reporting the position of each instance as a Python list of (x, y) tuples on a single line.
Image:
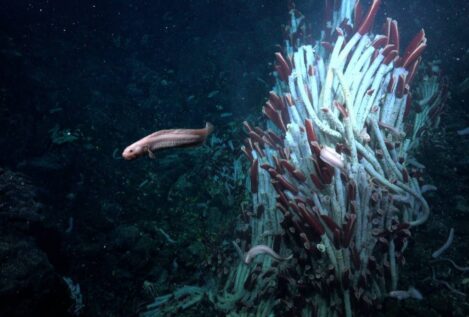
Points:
[(256, 137), (274, 115), (278, 166), (276, 101), (388, 49), (249, 145), (408, 104), (283, 68), (315, 148), (327, 173), (289, 99), (358, 13), (353, 207), (394, 35), (273, 174), (368, 21), (296, 173), (267, 140), (247, 126), (275, 138), (254, 172), (342, 148), (311, 135), (299, 175), (317, 182), (282, 199), (287, 165), (283, 210), (247, 153), (294, 207), (387, 29), (258, 149), (391, 83), (327, 45), (345, 26), (414, 55), (405, 175), (267, 166), (416, 41), (375, 54), (341, 108), (351, 191), (390, 57), (286, 184), (339, 31), (349, 230), (311, 219), (330, 223), (379, 41), (400, 86), (412, 70), (389, 145), (337, 237), (259, 131), (355, 257)]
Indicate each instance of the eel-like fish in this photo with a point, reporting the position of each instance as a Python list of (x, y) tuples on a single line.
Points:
[(412, 292), (166, 139), (263, 249)]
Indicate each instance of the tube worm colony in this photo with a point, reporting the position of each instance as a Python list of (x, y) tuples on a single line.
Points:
[(332, 177)]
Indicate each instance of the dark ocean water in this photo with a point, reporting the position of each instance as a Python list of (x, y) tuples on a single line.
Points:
[(81, 80)]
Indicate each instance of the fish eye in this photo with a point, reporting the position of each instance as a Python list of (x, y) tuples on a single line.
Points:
[(131, 151)]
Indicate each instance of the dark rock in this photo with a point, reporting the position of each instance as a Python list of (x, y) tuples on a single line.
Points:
[(29, 284)]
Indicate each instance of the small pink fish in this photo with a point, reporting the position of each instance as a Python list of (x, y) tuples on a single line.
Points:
[(263, 249), (412, 292), (166, 139)]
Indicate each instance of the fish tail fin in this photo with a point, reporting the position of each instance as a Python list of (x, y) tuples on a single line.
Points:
[(415, 293), (209, 127)]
